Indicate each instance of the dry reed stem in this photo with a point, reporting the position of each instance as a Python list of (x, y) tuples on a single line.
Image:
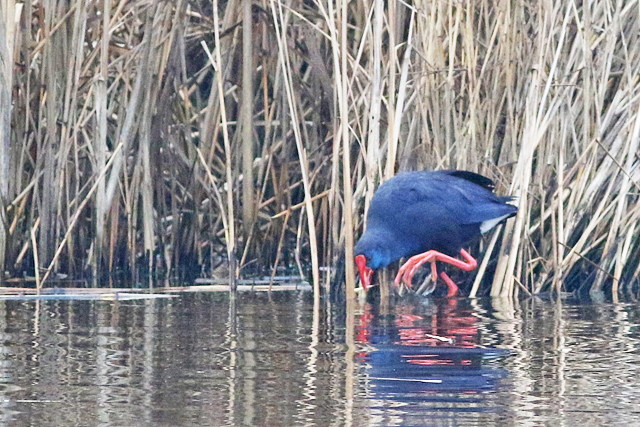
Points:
[(230, 230), (286, 69), (246, 116), (8, 16)]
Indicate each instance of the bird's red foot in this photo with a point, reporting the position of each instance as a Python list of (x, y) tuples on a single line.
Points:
[(406, 272), (453, 288)]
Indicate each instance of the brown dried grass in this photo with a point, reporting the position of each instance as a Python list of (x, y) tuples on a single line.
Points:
[(541, 97)]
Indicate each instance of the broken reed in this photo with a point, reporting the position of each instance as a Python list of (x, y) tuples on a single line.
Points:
[(139, 130)]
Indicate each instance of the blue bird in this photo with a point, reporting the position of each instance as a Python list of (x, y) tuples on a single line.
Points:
[(428, 217)]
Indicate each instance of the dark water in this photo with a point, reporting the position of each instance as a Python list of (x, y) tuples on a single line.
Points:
[(201, 360)]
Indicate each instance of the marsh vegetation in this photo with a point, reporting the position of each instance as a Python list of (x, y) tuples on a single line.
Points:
[(165, 134)]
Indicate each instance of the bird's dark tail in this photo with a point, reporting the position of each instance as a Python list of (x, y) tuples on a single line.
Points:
[(473, 177)]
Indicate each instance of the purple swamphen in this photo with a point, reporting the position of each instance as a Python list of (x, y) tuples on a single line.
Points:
[(428, 217)]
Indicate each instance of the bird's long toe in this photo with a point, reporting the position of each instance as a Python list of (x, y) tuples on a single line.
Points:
[(409, 268), (405, 274), (408, 278)]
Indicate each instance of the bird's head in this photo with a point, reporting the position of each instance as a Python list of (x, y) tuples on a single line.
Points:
[(371, 253)]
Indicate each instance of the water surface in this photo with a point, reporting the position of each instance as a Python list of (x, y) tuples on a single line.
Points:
[(271, 360)]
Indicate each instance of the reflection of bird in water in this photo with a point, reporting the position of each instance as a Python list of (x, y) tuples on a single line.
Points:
[(411, 359)]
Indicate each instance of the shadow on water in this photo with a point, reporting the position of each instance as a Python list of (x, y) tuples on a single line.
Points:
[(269, 360)]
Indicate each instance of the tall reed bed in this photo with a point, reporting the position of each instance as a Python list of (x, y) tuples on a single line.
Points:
[(160, 134)]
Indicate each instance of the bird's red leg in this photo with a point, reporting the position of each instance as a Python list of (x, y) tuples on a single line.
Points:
[(453, 288), (409, 268)]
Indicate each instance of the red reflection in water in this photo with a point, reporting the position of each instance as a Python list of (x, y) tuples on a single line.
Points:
[(449, 326)]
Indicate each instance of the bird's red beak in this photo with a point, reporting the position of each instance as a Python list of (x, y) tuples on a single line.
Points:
[(365, 272)]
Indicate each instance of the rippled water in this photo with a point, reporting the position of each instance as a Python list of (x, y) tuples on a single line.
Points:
[(271, 360)]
